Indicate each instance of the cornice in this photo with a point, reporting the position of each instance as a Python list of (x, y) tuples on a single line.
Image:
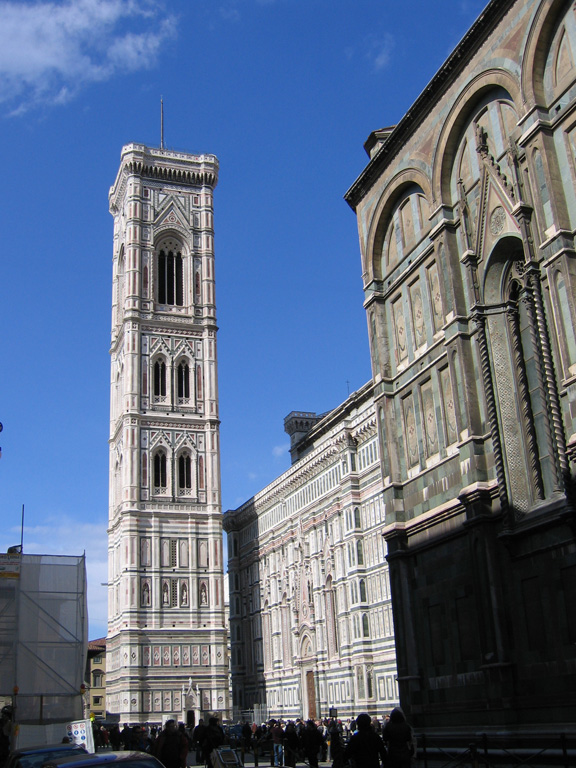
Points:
[(178, 168), (172, 175)]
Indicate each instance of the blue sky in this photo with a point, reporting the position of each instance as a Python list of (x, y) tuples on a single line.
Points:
[(284, 92)]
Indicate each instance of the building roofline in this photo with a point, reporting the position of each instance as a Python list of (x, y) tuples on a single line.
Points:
[(452, 67)]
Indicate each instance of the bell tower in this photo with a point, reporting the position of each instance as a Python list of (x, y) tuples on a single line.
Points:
[(166, 650)]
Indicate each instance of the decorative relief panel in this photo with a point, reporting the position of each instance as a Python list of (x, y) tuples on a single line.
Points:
[(435, 297), (400, 342), (417, 314), (430, 423), (410, 431), (449, 407)]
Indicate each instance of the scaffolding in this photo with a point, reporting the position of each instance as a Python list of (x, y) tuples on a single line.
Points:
[(43, 636)]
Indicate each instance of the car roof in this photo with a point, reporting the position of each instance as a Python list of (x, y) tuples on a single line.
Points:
[(100, 758), (45, 748)]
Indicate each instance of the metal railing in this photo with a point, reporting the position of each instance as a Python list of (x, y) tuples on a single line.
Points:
[(540, 751)]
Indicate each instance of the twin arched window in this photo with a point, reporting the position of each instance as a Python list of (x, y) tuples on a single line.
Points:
[(184, 478), (160, 386)]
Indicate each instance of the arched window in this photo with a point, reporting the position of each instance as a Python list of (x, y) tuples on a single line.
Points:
[(359, 553), (184, 474), (362, 591), (183, 381), (159, 381), (160, 472), (170, 279), (365, 625), (356, 517)]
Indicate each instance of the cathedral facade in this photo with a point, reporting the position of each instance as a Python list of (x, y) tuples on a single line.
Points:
[(467, 214), (167, 641), (311, 625)]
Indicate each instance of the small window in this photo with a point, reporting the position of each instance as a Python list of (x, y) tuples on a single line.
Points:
[(360, 553), (97, 678)]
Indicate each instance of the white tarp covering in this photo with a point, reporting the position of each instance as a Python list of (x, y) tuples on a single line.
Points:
[(43, 635)]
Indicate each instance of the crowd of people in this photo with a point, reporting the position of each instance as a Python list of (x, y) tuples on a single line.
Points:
[(170, 744), (363, 742)]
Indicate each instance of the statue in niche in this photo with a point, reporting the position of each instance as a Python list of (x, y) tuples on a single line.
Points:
[(145, 593), (165, 594), (203, 594), (184, 594)]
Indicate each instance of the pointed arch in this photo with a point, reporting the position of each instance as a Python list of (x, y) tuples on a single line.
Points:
[(528, 461), (401, 219), (160, 471), (550, 44), (159, 379), (477, 93)]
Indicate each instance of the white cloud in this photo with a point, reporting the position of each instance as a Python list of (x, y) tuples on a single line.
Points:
[(280, 450), (229, 13), (379, 51), (50, 50)]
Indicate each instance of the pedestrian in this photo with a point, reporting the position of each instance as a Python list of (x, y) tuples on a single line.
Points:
[(213, 738), (399, 738), (115, 737), (277, 733), (170, 747), (336, 746), (311, 740), (291, 745), (198, 738), (365, 748), (126, 736), (246, 736)]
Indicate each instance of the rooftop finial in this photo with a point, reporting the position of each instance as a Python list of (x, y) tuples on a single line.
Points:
[(161, 123)]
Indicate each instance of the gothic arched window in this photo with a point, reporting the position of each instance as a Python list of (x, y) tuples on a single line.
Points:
[(184, 473), (170, 278), (183, 381), (160, 471), (365, 625), (359, 553), (159, 380)]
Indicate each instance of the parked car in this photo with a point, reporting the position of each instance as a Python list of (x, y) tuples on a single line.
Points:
[(124, 759), (35, 757)]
